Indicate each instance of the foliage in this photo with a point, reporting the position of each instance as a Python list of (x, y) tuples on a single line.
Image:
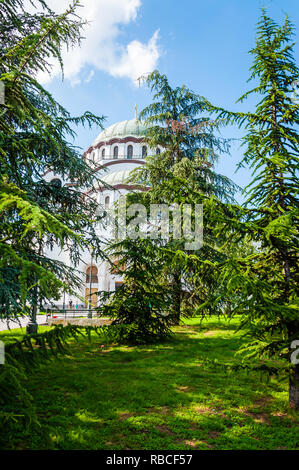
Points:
[(159, 396), (179, 121), (266, 281), (17, 407), (35, 136), (141, 303), (17, 413), (42, 346), (176, 121)]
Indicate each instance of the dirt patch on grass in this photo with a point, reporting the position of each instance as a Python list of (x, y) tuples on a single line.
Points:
[(256, 411), (279, 414), (258, 417), (202, 410), (183, 388), (123, 415), (194, 443), (262, 401), (164, 429), (285, 416), (210, 333), (194, 426), (190, 329), (214, 434), (163, 410)]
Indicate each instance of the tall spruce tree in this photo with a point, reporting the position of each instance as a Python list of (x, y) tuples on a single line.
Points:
[(140, 306), (267, 282), (35, 135), (184, 172)]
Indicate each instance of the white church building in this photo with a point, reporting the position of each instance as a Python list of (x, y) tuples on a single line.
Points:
[(117, 151)]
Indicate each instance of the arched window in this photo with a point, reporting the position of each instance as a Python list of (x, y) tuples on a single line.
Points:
[(56, 182), (107, 202), (130, 151), (144, 151), (92, 275), (119, 266), (115, 152), (158, 151), (103, 154)]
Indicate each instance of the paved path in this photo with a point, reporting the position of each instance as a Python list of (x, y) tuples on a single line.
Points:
[(41, 319)]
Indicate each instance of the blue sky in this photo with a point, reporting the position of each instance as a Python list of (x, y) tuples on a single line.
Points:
[(202, 44)]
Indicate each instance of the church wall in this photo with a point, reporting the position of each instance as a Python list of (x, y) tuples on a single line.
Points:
[(106, 281)]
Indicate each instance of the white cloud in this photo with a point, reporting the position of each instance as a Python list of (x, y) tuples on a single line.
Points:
[(101, 49), (91, 74)]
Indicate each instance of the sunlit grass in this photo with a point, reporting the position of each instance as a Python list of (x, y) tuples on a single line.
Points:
[(17, 334), (158, 397)]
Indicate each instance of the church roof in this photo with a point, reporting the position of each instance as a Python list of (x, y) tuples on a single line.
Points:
[(130, 127), (117, 177)]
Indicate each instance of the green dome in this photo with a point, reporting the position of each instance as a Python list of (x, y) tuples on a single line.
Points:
[(117, 177), (131, 127)]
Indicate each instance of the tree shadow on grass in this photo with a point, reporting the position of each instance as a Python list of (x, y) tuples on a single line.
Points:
[(12, 336), (156, 397)]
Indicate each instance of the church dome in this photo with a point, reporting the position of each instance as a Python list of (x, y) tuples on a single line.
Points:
[(131, 127), (117, 177)]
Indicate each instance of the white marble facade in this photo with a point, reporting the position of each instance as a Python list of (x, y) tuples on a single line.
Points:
[(119, 148)]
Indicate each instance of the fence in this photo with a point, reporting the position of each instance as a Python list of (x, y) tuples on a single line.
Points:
[(70, 312)]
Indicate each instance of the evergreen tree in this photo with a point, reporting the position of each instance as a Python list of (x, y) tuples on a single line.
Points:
[(35, 135), (267, 280), (140, 306), (179, 121)]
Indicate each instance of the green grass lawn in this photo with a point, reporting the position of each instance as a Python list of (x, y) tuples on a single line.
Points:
[(158, 397), (16, 334)]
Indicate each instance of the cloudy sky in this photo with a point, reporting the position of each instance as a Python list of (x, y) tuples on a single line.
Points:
[(203, 44), (104, 48)]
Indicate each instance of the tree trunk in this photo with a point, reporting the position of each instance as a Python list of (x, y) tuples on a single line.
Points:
[(292, 332), (294, 377), (176, 306), (32, 326), (294, 389)]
